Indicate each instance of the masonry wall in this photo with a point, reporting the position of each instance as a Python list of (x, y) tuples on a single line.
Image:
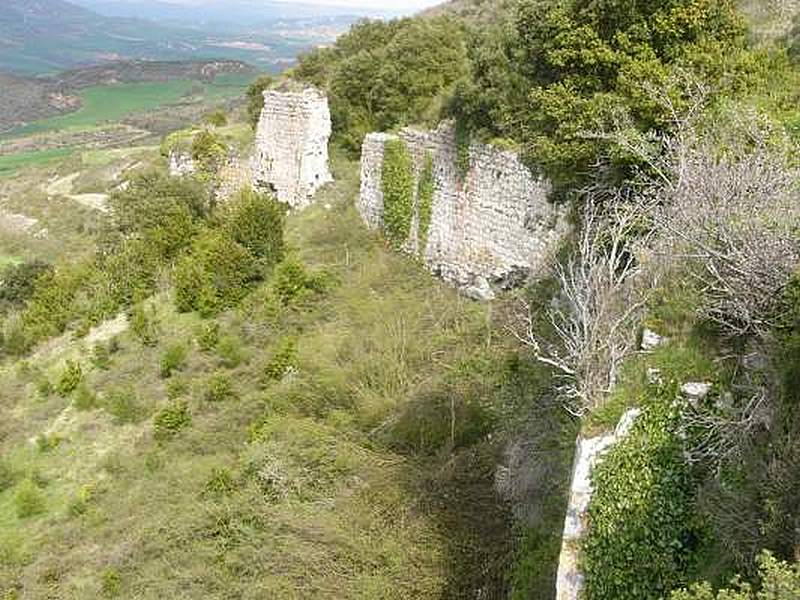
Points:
[(493, 227), (292, 145)]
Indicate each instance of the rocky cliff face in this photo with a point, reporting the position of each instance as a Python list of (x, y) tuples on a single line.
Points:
[(489, 226), (292, 145)]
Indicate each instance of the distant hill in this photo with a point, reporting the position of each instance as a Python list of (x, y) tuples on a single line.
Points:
[(227, 15), (27, 99), (46, 36), (485, 11)]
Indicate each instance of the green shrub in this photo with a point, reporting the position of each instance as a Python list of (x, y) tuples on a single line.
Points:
[(219, 388), (397, 184), (779, 581), (15, 339), (230, 351), (145, 325), (216, 118), (560, 69), (208, 151), (7, 476), (46, 443), (171, 420), (207, 336), (425, 192), (111, 583), (283, 360), (132, 271), (164, 212), (19, 282), (70, 379), (101, 357), (382, 75), (256, 222), (172, 359), (79, 505), (177, 388), (29, 500), (51, 307), (215, 275), (123, 405), (221, 482), (643, 532), (84, 398), (44, 388), (293, 284), (255, 99)]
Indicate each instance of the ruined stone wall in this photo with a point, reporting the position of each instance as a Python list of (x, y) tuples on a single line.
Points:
[(292, 145), (490, 228), (589, 452), (235, 175), (181, 164)]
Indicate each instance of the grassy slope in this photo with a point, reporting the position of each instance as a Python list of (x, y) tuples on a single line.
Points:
[(350, 491)]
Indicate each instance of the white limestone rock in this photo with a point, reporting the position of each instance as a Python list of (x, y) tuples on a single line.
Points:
[(696, 391), (480, 291), (292, 145), (181, 164), (651, 340)]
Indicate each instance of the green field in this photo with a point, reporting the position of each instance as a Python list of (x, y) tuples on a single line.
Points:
[(10, 163), (114, 102)]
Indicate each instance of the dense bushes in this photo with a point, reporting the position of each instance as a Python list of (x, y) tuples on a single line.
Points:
[(19, 282), (215, 274), (256, 222), (225, 261), (779, 581), (643, 529), (381, 75), (563, 69)]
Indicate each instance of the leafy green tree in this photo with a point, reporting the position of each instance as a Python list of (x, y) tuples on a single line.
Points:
[(565, 68), (382, 75), (255, 98)]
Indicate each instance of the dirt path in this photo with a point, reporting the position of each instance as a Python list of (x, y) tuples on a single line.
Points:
[(63, 187)]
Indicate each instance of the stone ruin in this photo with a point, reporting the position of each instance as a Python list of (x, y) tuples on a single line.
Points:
[(291, 151), (292, 145), (493, 226), (589, 453)]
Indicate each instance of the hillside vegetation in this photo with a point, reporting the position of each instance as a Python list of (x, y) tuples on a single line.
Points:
[(228, 400)]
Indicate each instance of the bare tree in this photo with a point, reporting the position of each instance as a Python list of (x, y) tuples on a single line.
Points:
[(735, 218), (594, 319)]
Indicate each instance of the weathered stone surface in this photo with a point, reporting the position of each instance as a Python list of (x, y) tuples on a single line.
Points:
[(292, 145), (495, 226), (651, 340), (696, 391), (234, 176), (181, 164), (569, 582)]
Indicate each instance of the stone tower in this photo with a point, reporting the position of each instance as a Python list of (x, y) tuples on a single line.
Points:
[(291, 156)]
